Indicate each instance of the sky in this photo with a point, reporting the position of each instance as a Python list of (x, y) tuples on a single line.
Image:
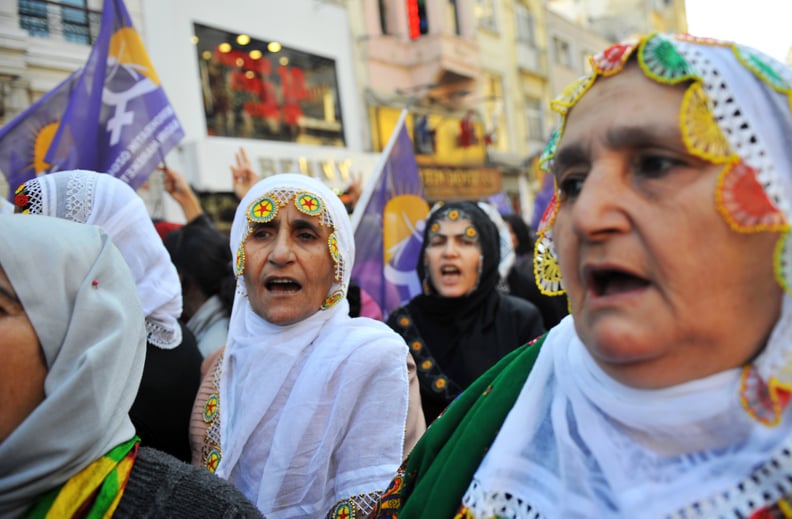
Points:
[(763, 24)]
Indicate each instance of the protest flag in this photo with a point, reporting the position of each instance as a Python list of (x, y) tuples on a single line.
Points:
[(111, 115), (388, 221)]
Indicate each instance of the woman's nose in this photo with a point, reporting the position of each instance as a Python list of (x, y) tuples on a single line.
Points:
[(599, 206), (450, 249), (282, 250)]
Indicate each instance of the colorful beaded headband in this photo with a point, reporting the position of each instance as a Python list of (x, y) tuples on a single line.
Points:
[(748, 194), (265, 208)]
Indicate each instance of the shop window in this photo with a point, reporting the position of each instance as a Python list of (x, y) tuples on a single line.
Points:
[(496, 131), (69, 18), (260, 89), (524, 20), (485, 14), (562, 52), (417, 19), (534, 118), (585, 63), (452, 15)]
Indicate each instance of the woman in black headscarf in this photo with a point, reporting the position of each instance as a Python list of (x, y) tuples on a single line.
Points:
[(461, 324), (521, 280)]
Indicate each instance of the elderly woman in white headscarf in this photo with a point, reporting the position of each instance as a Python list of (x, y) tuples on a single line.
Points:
[(666, 392), (308, 407), (161, 412), (72, 340)]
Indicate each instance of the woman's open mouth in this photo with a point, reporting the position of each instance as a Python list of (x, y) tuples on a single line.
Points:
[(450, 271), (282, 285), (608, 282)]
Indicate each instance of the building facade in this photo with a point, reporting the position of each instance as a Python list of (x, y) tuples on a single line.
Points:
[(316, 86)]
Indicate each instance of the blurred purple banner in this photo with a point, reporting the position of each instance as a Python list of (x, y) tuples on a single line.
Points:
[(111, 116), (388, 222)]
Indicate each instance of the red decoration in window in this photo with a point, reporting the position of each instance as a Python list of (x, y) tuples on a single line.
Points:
[(467, 132), (413, 19)]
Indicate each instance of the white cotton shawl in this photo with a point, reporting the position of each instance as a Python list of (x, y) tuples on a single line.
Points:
[(565, 450), (313, 412), (80, 298), (6, 207), (103, 200), (579, 444)]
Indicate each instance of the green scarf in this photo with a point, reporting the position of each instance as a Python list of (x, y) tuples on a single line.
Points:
[(435, 476)]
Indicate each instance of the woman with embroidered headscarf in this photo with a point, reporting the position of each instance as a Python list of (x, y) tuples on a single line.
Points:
[(666, 392), (461, 324), (161, 412), (72, 340), (306, 410)]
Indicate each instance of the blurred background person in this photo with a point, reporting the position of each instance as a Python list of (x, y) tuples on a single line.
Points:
[(203, 260), (521, 280), (72, 338), (461, 324), (161, 412)]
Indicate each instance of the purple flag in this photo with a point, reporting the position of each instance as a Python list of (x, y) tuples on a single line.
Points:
[(24, 141), (388, 222), (111, 115)]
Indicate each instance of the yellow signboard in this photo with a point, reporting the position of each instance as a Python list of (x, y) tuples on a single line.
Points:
[(459, 182)]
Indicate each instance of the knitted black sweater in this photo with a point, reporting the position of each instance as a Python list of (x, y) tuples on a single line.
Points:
[(160, 486)]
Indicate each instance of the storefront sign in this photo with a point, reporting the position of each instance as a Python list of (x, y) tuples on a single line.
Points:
[(459, 182), (330, 170)]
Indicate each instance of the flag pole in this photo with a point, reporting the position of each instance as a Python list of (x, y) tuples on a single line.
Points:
[(365, 197)]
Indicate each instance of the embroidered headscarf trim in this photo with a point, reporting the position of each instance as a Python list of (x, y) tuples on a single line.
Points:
[(265, 207), (717, 126), (714, 127)]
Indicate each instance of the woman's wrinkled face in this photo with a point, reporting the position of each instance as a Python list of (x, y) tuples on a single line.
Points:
[(453, 255), (662, 290), (23, 368), (288, 268)]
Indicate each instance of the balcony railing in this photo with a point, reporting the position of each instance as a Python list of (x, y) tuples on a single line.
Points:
[(45, 19)]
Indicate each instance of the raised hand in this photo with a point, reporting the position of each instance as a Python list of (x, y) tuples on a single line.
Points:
[(242, 173), (178, 188)]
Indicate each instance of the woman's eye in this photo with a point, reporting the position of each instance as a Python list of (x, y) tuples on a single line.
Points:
[(261, 233), (570, 186), (654, 166), (306, 236)]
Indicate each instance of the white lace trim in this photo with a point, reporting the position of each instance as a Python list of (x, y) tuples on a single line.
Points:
[(162, 337), (35, 199), (732, 120), (484, 504), (80, 191), (765, 487)]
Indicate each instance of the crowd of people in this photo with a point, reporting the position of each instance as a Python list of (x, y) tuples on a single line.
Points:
[(632, 358)]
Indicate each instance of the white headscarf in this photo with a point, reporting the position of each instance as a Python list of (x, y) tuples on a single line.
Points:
[(507, 253), (298, 402), (579, 444), (80, 298), (6, 207), (103, 200)]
